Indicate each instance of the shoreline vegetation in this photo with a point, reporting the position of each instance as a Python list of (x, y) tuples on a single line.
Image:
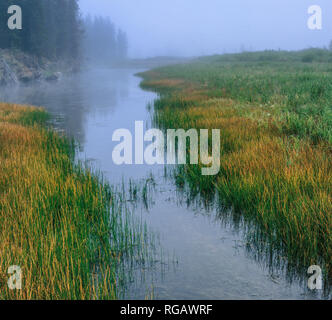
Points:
[(274, 112), (63, 225)]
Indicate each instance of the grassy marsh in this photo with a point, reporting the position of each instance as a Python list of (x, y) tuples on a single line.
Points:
[(274, 112), (62, 224)]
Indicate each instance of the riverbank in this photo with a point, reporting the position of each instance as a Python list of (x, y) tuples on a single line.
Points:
[(55, 216), (275, 119), (19, 67)]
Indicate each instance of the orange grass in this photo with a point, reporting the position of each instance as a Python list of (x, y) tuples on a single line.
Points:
[(281, 181), (54, 217)]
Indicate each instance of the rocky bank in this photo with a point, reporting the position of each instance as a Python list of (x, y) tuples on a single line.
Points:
[(17, 67)]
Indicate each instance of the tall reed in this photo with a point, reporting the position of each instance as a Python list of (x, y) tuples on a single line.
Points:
[(275, 118), (58, 220)]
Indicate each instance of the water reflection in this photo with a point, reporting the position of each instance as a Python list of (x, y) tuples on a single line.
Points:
[(74, 99), (258, 246)]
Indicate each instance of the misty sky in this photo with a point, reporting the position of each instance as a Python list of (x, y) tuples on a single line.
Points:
[(203, 27)]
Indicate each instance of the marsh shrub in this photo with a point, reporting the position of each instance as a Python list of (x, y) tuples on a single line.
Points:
[(309, 57)]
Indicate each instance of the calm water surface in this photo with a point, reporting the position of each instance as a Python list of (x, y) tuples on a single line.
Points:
[(207, 257)]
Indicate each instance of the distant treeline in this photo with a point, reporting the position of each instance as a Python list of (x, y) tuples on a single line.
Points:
[(51, 28), (103, 42), (54, 29)]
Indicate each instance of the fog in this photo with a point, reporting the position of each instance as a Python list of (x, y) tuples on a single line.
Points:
[(202, 27)]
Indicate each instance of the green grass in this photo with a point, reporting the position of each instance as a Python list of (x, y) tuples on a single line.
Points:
[(275, 116), (300, 94), (63, 225)]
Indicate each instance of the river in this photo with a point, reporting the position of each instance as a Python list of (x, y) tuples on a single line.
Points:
[(207, 254)]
